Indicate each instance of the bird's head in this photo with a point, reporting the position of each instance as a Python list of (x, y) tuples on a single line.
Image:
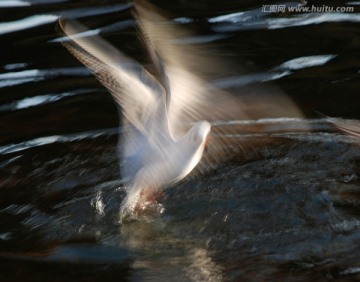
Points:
[(199, 133)]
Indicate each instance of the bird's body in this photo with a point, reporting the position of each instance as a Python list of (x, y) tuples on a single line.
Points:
[(167, 116), (172, 163)]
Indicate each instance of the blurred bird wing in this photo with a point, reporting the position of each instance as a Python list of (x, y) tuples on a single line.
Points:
[(350, 127), (187, 69), (140, 96)]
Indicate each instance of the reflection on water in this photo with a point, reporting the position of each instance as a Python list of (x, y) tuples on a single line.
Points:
[(284, 207)]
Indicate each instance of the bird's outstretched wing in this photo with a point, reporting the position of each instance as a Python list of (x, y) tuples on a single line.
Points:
[(141, 98), (188, 71), (350, 127)]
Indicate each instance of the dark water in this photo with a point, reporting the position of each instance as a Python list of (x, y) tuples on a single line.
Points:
[(285, 207)]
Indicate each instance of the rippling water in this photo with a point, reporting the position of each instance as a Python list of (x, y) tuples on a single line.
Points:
[(285, 207)]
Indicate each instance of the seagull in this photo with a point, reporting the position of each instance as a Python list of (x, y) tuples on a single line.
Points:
[(167, 112)]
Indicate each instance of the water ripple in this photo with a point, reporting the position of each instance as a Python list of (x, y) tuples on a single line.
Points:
[(17, 209), (93, 11), (312, 18), (249, 21), (16, 66), (306, 62), (34, 75), (38, 20), (278, 72), (243, 80), (23, 3), (89, 253), (41, 100), (102, 30), (13, 3), (350, 271), (26, 23), (41, 141), (6, 236)]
